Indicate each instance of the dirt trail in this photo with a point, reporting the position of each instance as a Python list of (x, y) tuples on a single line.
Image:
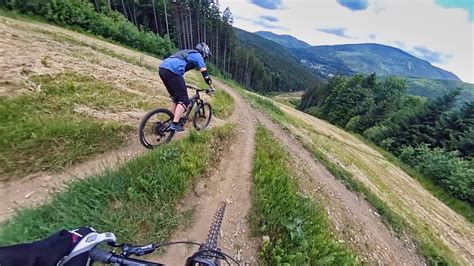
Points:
[(352, 218), (427, 215), (231, 182), (38, 188)]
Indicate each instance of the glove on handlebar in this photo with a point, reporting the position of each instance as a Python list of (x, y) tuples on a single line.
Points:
[(48, 251)]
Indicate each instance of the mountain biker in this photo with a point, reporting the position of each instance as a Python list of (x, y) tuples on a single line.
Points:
[(48, 251), (171, 72)]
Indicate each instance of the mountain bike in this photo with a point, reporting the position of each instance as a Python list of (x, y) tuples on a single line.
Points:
[(208, 253), (154, 129)]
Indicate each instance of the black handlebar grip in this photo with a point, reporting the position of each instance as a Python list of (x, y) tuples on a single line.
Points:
[(100, 255), (108, 257)]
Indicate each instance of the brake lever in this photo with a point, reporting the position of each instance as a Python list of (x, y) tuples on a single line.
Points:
[(128, 250), (211, 91)]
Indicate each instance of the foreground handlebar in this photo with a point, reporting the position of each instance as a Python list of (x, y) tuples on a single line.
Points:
[(107, 257)]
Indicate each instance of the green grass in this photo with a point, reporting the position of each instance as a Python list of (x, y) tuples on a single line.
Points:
[(297, 226), (434, 251), (346, 177), (137, 201), (222, 104), (41, 130), (264, 104)]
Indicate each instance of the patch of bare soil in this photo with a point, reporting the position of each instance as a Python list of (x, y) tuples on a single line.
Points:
[(231, 181)]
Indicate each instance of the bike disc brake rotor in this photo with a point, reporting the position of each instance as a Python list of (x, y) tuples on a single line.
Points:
[(202, 113), (159, 129)]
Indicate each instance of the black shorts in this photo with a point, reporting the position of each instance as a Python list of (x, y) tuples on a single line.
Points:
[(175, 85)]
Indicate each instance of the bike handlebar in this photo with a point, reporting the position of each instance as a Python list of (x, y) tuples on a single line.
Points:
[(107, 257), (208, 254), (210, 89)]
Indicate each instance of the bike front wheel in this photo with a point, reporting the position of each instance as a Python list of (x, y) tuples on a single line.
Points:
[(154, 128), (202, 116)]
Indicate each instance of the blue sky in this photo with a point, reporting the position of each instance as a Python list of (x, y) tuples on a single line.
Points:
[(354, 5), (439, 31), (267, 4)]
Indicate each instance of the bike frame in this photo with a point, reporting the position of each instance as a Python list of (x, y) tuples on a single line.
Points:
[(196, 99)]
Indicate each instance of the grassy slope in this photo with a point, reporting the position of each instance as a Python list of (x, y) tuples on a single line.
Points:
[(328, 149), (461, 207), (136, 201), (297, 227), (42, 131)]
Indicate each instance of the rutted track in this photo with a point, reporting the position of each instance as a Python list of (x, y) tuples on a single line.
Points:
[(232, 182), (427, 215), (362, 228)]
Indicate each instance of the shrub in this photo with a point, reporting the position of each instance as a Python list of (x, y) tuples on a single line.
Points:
[(353, 124), (376, 133), (445, 168)]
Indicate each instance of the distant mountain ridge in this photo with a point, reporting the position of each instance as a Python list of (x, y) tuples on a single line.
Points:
[(284, 40), (422, 78), (349, 59)]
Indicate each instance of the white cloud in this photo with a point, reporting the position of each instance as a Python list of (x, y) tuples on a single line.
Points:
[(401, 23)]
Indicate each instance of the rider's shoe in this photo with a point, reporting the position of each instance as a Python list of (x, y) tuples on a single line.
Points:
[(176, 127)]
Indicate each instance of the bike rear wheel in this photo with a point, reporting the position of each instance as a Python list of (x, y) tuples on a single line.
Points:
[(202, 116), (154, 128)]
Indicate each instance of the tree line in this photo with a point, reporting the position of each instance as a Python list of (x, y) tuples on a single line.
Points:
[(431, 136), (160, 27)]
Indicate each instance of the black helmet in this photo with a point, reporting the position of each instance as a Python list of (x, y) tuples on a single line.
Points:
[(204, 50)]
